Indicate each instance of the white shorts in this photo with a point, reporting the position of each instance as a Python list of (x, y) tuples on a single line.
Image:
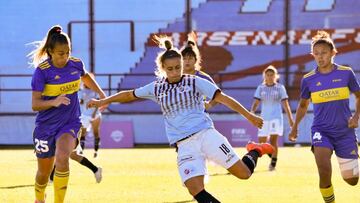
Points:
[(272, 127), (86, 121), (206, 144)]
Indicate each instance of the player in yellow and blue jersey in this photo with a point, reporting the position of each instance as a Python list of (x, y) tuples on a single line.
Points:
[(188, 126), (55, 84), (333, 129)]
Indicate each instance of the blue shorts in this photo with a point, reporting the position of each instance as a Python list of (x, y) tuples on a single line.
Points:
[(45, 141), (345, 145)]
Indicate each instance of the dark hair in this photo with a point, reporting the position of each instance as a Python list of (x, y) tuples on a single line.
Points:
[(322, 37), (164, 42), (190, 49), (54, 36)]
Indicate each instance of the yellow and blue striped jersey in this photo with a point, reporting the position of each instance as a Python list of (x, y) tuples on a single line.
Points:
[(52, 82), (330, 94)]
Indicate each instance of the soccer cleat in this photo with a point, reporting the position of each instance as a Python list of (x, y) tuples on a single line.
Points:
[(37, 201), (261, 148), (95, 154), (98, 175), (271, 168)]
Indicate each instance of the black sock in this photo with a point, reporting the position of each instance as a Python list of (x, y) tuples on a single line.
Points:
[(96, 143), (52, 174), (205, 197), (88, 164), (273, 162), (82, 143), (250, 159)]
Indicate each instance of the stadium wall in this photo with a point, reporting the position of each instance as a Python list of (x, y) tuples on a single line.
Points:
[(146, 129)]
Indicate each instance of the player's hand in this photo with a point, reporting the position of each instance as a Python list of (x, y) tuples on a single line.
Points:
[(353, 122), (103, 107), (293, 134), (61, 99), (257, 121), (94, 103)]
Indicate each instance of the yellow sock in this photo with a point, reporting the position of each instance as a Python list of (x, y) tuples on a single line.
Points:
[(328, 194), (61, 180), (40, 191)]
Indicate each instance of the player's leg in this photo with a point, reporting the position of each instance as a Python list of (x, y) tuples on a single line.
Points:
[(323, 162), (274, 143), (86, 162), (65, 144), (96, 131), (44, 143), (82, 139), (346, 150), (192, 168), (45, 166), (218, 149), (196, 188)]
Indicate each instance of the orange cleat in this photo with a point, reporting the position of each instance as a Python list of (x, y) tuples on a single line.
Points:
[(261, 148)]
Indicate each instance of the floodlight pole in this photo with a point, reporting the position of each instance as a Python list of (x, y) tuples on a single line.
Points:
[(92, 36), (188, 26)]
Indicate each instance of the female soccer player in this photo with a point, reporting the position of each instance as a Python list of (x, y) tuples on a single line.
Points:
[(55, 84), (329, 86), (188, 127), (90, 118), (191, 63), (271, 94)]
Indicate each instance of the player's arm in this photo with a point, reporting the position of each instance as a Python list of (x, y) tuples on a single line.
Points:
[(286, 106), (38, 104), (354, 120), (234, 105), (300, 113), (93, 85), (210, 104), (255, 105), (122, 97)]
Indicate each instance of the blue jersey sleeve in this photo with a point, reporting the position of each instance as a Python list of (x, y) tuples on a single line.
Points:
[(38, 80), (353, 82), (283, 92), (205, 87), (257, 93), (146, 92), (304, 90)]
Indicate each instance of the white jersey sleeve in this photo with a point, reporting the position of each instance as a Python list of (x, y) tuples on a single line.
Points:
[(257, 93), (146, 92), (206, 88), (283, 92)]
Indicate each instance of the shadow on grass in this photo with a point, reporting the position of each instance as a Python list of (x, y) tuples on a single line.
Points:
[(16, 186)]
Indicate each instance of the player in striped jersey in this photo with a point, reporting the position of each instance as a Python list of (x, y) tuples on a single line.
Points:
[(329, 87), (55, 84), (192, 59), (188, 127), (272, 95)]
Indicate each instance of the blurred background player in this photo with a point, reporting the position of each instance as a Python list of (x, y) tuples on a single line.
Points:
[(192, 59), (272, 95), (85, 162), (328, 87), (188, 127), (55, 84), (90, 118)]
